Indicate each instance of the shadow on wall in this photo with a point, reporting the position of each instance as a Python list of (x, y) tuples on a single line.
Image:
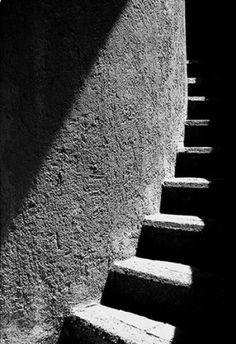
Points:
[(49, 51)]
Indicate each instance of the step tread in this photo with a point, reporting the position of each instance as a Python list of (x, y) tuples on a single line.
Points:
[(198, 122), (197, 98), (128, 327), (200, 80), (205, 63), (194, 80), (204, 99), (189, 182), (197, 150), (178, 222), (159, 271)]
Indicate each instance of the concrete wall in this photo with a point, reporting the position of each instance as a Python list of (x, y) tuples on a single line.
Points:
[(94, 96)]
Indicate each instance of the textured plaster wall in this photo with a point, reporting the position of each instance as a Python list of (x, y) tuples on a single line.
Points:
[(94, 96)]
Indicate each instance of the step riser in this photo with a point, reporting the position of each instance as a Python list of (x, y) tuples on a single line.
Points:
[(202, 69), (199, 136), (173, 303), (198, 70), (203, 89), (203, 109), (191, 201), (198, 165), (193, 248)]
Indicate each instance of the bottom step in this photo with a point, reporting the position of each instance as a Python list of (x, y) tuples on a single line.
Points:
[(102, 325)]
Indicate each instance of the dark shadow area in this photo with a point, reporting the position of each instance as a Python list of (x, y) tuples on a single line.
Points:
[(49, 49), (210, 37), (67, 334)]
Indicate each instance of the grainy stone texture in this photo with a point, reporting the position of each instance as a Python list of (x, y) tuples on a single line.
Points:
[(94, 98)]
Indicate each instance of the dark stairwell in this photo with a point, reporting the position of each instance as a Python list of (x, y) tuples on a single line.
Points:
[(177, 288)]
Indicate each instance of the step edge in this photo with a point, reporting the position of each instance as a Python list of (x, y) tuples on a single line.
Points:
[(187, 182), (177, 222), (197, 150), (197, 122)]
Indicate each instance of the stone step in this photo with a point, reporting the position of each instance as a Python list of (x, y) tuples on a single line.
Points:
[(201, 133), (164, 291), (181, 238), (204, 86), (199, 162), (202, 107), (193, 196), (98, 324)]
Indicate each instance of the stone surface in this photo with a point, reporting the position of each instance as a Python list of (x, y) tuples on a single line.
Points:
[(197, 150), (101, 324), (197, 122), (188, 182), (93, 99), (157, 271), (177, 222)]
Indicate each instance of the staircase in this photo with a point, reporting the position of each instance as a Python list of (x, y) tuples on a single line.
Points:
[(171, 291)]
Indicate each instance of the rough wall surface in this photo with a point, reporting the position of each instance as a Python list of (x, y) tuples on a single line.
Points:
[(94, 96)]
